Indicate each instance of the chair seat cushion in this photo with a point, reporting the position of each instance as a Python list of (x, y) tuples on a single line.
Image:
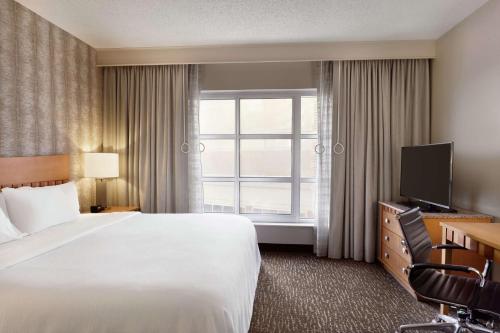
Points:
[(455, 290), (489, 299)]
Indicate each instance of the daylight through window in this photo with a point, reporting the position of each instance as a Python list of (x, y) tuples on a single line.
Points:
[(258, 156)]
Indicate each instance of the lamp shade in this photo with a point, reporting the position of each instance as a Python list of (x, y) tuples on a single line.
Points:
[(100, 165)]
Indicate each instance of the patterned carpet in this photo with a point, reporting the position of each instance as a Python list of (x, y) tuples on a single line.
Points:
[(298, 292)]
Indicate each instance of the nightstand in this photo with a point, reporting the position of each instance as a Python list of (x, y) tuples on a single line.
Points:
[(113, 209)]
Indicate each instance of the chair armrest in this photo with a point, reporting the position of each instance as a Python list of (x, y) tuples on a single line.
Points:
[(488, 269), (449, 267), (448, 247)]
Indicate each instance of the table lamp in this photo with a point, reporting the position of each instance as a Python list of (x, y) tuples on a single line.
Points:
[(100, 166)]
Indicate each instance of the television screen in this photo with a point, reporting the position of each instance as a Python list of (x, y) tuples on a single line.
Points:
[(426, 173)]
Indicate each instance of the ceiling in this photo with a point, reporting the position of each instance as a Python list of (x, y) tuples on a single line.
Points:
[(168, 23)]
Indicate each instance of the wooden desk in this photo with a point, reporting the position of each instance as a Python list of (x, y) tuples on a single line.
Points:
[(483, 238)]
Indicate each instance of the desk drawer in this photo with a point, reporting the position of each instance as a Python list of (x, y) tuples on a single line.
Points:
[(396, 243), (398, 265), (389, 221)]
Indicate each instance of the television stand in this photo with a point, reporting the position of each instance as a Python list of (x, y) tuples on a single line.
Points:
[(427, 208), (434, 209)]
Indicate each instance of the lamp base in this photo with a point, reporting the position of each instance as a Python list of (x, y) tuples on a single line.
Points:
[(101, 193)]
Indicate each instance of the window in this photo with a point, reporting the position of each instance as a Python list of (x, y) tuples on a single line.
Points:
[(258, 153)]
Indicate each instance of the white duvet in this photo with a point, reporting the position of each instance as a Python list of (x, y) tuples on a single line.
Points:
[(131, 272)]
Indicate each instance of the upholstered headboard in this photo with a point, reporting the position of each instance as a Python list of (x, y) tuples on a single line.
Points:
[(34, 171)]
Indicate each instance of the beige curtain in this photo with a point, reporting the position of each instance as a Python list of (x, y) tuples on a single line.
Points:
[(383, 105), (149, 112)]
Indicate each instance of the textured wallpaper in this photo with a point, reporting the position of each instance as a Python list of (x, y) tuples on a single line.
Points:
[(49, 92)]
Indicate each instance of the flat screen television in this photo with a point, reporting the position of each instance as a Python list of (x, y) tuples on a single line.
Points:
[(427, 174)]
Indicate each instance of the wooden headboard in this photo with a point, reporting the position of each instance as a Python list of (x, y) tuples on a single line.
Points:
[(34, 171)]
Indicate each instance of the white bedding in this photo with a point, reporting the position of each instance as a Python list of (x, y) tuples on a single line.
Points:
[(131, 272)]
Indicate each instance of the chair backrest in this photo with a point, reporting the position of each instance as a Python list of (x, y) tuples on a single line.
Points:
[(416, 236)]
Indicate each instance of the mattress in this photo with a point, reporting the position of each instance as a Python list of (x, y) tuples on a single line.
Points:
[(132, 272)]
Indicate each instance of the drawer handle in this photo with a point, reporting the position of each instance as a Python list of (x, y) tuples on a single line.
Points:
[(386, 238), (387, 220), (386, 255), (404, 270), (405, 250)]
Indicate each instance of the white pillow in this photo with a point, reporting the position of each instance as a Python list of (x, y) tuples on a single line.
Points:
[(37, 208), (7, 231), (71, 193), (3, 205)]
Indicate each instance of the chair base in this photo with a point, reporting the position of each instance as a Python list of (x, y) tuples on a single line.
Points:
[(448, 324)]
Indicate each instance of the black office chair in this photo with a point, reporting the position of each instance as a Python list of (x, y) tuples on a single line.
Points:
[(475, 298)]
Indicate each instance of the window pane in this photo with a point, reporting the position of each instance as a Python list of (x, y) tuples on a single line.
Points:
[(265, 198), (308, 158), (218, 158), (308, 115), (308, 197), (266, 116), (217, 116), (265, 158), (218, 197)]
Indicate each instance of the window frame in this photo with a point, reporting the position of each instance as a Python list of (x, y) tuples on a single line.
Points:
[(295, 136)]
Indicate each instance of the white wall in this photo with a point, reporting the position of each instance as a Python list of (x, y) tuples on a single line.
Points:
[(466, 106), (285, 233)]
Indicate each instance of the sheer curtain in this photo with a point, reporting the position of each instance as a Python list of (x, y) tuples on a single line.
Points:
[(195, 184), (378, 106), (150, 117), (328, 77)]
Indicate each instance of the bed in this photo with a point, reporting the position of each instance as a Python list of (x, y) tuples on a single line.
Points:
[(129, 272)]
